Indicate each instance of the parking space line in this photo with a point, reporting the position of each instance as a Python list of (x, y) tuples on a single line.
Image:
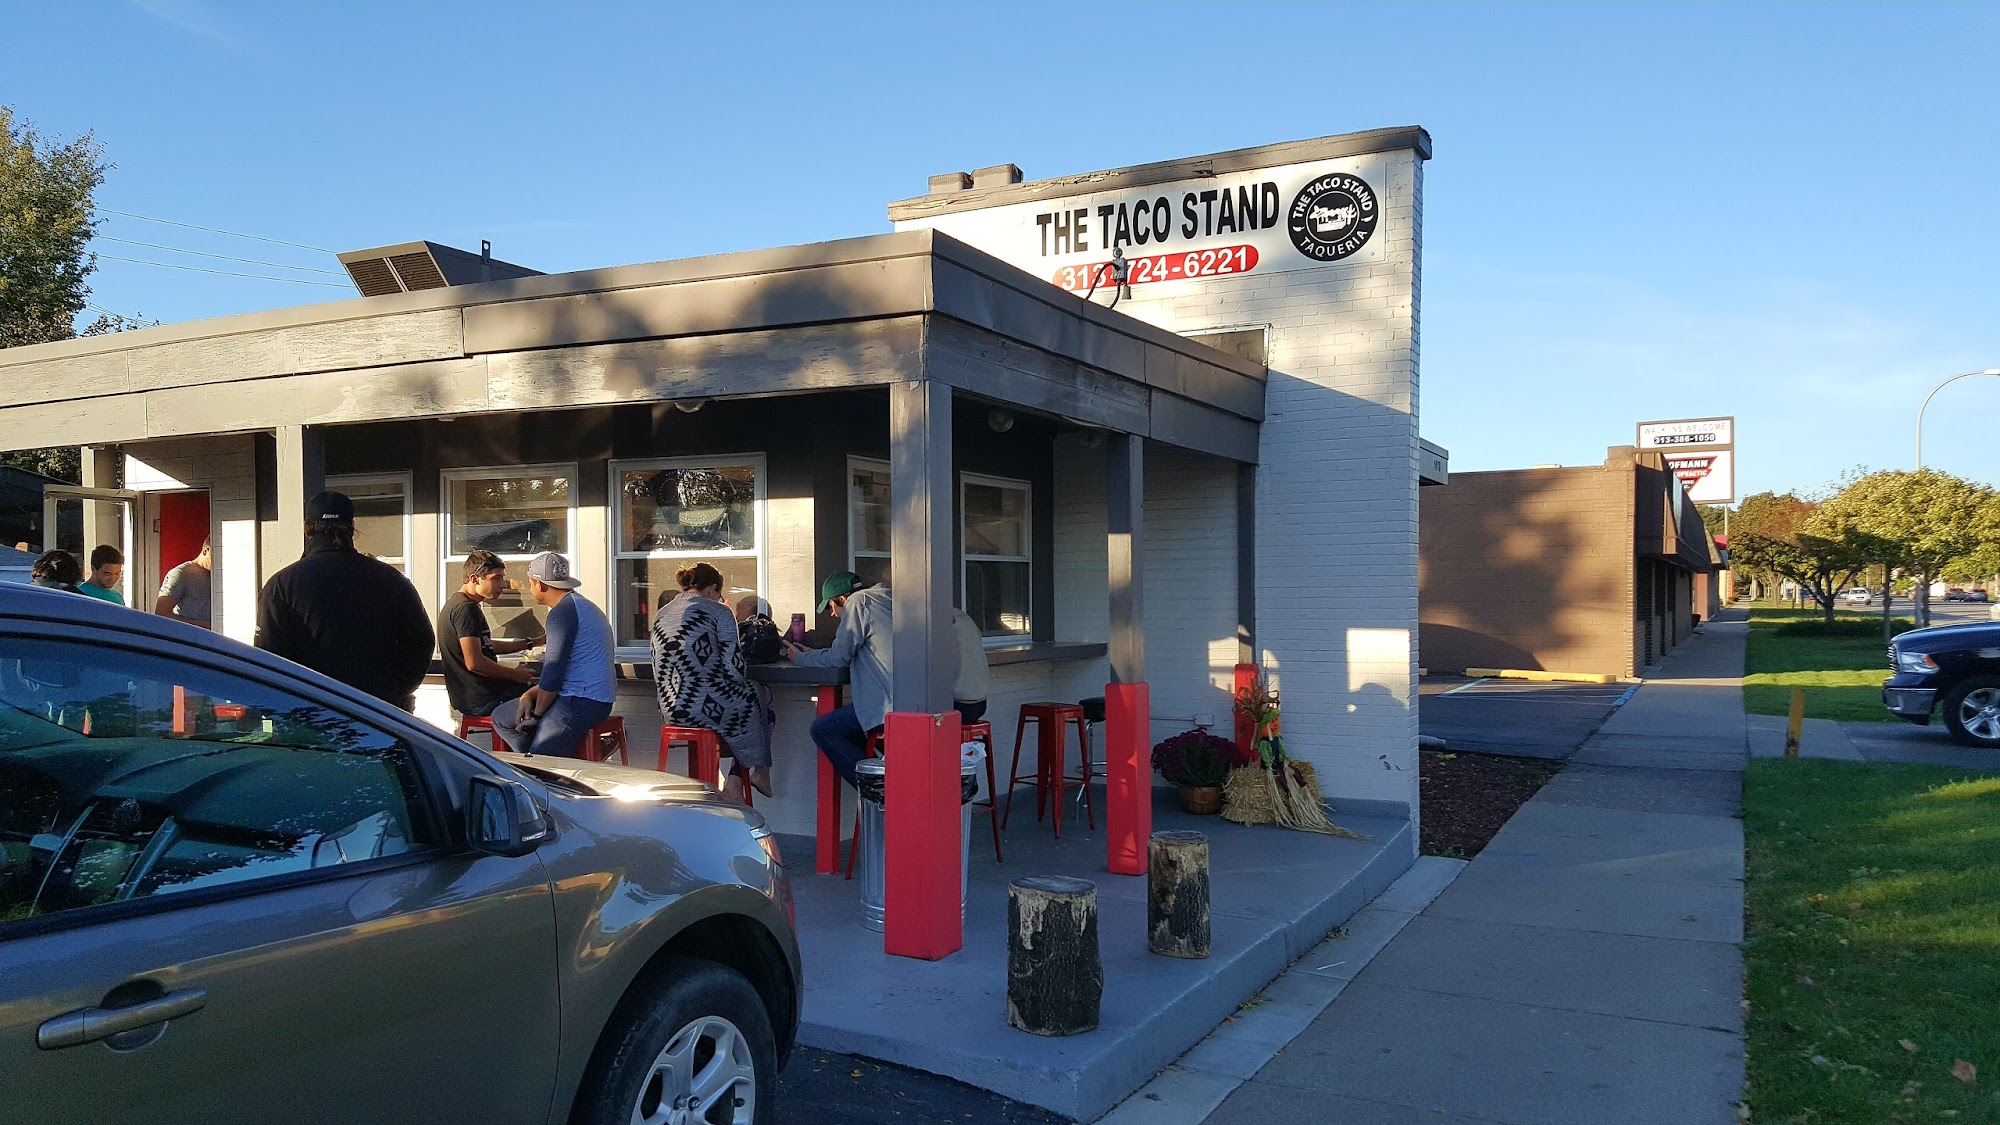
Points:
[(1462, 687)]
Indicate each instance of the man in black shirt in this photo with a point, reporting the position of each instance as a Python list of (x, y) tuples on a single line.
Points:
[(476, 681), (343, 614)]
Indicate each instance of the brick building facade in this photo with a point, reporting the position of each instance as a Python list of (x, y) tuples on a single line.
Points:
[(1599, 570)]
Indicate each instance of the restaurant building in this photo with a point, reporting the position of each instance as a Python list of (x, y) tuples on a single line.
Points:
[(1212, 464)]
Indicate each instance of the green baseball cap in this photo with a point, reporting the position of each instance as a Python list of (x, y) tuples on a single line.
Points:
[(839, 584)]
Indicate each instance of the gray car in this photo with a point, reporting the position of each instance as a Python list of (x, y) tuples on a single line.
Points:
[(233, 890)]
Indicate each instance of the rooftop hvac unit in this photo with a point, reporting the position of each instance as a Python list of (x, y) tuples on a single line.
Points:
[(410, 266)]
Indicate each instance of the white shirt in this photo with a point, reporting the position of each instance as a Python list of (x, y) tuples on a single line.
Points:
[(973, 682)]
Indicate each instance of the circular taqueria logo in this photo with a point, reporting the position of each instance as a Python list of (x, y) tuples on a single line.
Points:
[(1332, 216)]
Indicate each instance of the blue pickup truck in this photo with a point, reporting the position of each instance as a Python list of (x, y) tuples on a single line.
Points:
[(1953, 668)]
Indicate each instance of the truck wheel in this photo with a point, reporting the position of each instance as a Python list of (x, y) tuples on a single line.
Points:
[(1972, 711), (690, 1045)]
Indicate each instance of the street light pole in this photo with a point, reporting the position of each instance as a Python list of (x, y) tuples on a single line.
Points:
[(1932, 395)]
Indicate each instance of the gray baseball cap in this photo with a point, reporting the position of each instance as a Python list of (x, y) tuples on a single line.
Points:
[(551, 569)]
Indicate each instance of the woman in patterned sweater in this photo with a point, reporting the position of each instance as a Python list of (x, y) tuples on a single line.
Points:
[(699, 672)]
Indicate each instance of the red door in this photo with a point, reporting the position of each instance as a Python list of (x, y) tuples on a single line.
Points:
[(183, 527)]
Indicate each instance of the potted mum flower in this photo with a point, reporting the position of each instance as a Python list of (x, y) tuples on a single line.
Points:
[(1198, 762)]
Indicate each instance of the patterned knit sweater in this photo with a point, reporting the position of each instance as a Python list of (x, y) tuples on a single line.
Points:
[(698, 667)]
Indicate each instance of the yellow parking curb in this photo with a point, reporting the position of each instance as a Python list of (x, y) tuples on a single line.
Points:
[(1540, 676)]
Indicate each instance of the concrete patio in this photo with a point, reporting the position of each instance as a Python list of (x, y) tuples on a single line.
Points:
[(1276, 894)]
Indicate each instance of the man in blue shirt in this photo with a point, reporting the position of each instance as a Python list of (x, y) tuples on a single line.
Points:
[(862, 646), (578, 683)]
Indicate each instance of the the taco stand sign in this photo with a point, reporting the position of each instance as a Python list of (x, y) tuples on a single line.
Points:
[(1300, 216)]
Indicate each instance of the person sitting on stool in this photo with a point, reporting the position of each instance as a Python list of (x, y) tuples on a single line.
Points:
[(578, 684), (862, 646), (969, 690)]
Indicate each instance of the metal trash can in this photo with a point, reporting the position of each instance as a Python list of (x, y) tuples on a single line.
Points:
[(869, 777)]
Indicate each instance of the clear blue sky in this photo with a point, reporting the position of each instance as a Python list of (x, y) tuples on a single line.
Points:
[(1786, 213)]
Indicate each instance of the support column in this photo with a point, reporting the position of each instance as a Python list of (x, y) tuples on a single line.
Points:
[(1128, 788), (301, 476), (101, 525), (1246, 564), (922, 902), (920, 495)]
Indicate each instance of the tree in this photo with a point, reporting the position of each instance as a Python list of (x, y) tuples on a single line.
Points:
[(1793, 539), (1714, 517), (46, 224), (1924, 520)]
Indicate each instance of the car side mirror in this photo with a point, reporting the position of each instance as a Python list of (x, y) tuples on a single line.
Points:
[(502, 818)]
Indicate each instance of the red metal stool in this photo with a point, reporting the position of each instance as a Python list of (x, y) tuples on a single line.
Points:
[(1050, 721), (469, 723), (872, 749), (983, 733), (704, 751), (592, 749)]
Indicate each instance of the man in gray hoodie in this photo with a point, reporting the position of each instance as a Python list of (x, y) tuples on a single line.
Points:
[(862, 646)]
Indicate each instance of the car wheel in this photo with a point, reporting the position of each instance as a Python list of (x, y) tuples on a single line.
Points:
[(690, 1045), (1972, 711)]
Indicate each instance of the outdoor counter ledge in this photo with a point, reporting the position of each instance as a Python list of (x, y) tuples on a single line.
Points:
[(787, 673)]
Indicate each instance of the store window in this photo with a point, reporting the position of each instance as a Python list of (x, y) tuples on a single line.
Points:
[(868, 519), (994, 537), (381, 515), (676, 513), (517, 513)]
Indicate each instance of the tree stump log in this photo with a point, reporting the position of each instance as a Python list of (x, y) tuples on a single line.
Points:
[(1177, 894), (1055, 979)]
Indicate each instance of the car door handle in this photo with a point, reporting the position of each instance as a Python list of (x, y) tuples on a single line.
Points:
[(92, 1024)]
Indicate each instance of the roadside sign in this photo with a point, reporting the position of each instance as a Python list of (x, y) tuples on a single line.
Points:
[(1709, 476), (1688, 433), (1701, 452)]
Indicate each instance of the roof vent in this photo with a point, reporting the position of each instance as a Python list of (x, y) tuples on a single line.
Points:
[(410, 266)]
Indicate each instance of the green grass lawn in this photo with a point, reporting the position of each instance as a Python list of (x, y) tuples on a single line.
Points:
[(1872, 942), (1842, 672)]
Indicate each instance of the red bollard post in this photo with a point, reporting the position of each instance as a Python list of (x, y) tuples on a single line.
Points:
[(1246, 731), (826, 849), (921, 900), (1128, 778)]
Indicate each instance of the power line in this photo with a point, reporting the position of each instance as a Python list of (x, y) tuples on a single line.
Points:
[(224, 273), (215, 230), (224, 257)]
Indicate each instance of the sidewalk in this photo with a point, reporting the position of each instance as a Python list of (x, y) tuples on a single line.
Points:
[(1586, 967)]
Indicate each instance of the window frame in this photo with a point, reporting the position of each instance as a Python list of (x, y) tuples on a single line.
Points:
[(872, 464), (450, 566), (428, 773), (1026, 558), (614, 525), (406, 481)]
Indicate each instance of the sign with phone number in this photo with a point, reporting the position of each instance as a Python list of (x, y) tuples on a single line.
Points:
[(1212, 262)]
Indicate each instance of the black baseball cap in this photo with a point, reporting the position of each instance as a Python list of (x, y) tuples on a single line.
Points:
[(330, 507)]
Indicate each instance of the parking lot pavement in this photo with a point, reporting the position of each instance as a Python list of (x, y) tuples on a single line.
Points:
[(1515, 717), (829, 1088), (1907, 742)]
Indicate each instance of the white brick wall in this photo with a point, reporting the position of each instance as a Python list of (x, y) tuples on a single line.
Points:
[(1336, 495)]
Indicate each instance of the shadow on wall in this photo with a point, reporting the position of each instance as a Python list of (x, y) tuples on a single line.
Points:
[(1527, 568), (1468, 649)]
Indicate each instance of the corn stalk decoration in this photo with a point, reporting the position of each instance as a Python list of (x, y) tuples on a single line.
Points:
[(1294, 800)]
